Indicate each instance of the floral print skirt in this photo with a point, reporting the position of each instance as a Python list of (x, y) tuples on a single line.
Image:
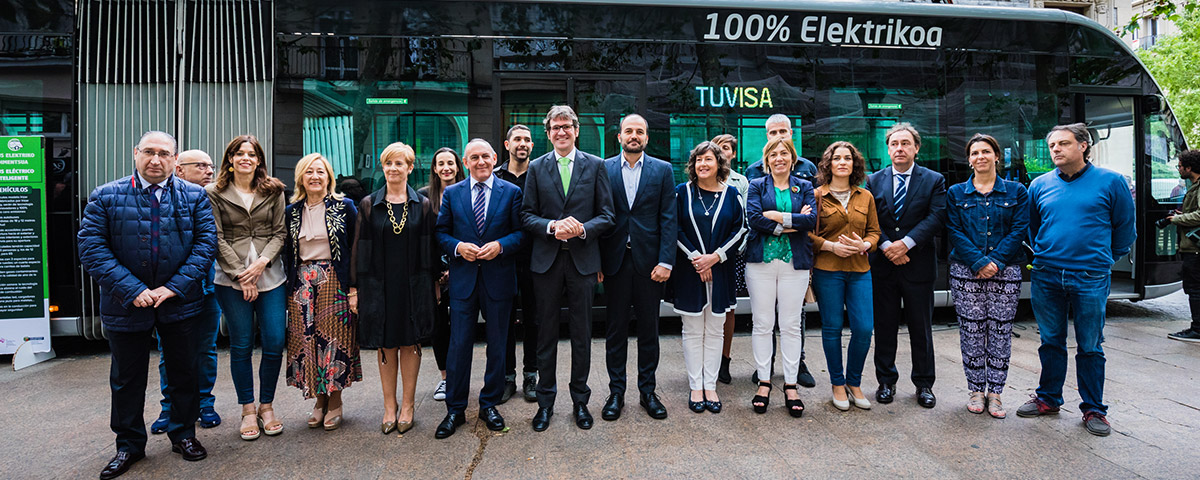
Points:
[(322, 346)]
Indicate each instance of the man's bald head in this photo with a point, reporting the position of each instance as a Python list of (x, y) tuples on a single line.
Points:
[(195, 166)]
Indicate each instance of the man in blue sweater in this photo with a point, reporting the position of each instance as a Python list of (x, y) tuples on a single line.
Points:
[(1082, 220)]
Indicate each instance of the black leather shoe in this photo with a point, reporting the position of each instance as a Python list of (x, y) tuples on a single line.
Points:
[(449, 425), (612, 407), (529, 387), (583, 418), (491, 417), (190, 449), (886, 393), (925, 397), (653, 406), (804, 378), (119, 464), (510, 388), (541, 419)]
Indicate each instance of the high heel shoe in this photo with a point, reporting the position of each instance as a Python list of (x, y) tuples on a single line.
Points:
[(335, 419), (842, 405), (317, 417), (271, 428), (763, 399), (389, 427), (859, 401), (791, 404)]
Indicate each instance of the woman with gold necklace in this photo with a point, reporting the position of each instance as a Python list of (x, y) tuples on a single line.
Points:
[(393, 268)]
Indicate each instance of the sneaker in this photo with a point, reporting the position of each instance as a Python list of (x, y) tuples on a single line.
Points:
[(529, 387), (1096, 424), (1035, 407), (1186, 335), (160, 425), (209, 417), (439, 394), (804, 378)]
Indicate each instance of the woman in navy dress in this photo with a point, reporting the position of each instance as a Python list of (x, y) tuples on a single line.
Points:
[(712, 223)]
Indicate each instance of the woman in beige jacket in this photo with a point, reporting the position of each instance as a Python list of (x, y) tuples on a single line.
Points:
[(248, 207)]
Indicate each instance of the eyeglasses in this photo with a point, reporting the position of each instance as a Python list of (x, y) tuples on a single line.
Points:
[(199, 165), (163, 154), (562, 128)]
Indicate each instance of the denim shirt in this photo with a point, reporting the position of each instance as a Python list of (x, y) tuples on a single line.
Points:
[(987, 228)]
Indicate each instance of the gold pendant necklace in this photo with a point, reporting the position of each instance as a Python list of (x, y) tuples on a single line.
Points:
[(397, 227)]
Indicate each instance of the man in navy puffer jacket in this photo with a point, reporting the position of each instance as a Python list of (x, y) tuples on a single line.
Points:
[(148, 240)]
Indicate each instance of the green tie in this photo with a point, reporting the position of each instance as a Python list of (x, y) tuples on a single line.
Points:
[(564, 170)]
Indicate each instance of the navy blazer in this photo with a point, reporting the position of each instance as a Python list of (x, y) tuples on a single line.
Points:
[(923, 219), (729, 226), (649, 225), (589, 200), (761, 198), (502, 223), (114, 248)]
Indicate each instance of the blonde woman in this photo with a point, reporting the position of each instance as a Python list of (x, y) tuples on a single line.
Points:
[(322, 346)]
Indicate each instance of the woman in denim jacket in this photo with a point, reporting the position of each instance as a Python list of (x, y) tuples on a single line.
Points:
[(988, 219)]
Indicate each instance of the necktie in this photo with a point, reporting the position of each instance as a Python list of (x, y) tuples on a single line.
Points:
[(901, 192), (479, 207), (155, 229), (564, 170)]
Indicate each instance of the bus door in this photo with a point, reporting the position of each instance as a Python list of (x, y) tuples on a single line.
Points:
[(600, 101), (1110, 120)]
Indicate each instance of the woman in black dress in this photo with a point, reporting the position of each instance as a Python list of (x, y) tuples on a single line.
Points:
[(394, 268)]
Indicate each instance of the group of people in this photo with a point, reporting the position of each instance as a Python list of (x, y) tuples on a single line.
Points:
[(319, 276)]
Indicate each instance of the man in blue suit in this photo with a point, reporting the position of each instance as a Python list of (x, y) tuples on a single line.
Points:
[(568, 208), (911, 203), (479, 228), (636, 256), (148, 240)]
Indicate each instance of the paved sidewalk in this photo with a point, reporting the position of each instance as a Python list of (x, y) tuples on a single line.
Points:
[(56, 418)]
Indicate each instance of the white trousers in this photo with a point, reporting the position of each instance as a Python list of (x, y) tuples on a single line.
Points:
[(769, 283), (703, 336)]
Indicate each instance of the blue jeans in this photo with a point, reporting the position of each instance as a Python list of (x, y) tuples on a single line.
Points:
[(852, 291), (1084, 293), (271, 311), (207, 325)]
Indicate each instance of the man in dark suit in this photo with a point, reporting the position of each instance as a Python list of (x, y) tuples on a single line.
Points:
[(148, 240), (637, 256), (479, 228), (568, 207), (911, 203), (519, 145)]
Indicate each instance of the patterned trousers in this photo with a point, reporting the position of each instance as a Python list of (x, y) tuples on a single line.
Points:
[(985, 309)]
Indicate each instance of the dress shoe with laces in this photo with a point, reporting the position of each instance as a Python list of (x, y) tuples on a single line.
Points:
[(190, 449), (491, 417), (510, 388), (925, 397), (612, 407), (119, 464), (583, 418), (804, 378), (653, 406), (886, 393), (449, 425), (541, 419), (160, 425), (529, 387)]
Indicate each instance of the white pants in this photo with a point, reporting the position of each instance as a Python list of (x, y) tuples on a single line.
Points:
[(768, 283), (703, 336)]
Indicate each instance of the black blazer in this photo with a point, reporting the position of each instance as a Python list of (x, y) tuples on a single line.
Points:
[(923, 220), (649, 226), (589, 200)]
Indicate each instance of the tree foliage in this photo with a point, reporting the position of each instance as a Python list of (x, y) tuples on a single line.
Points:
[(1175, 63)]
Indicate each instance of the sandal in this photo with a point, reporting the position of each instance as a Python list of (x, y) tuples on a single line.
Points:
[(975, 403), (994, 407), (792, 404), (317, 417), (763, 399), (251, 432), (273, 427)]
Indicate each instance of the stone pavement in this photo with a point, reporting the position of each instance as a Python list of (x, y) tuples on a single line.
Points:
[(56, 419)]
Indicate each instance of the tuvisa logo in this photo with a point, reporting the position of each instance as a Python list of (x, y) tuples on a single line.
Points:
[(736, 97), (14, 144)]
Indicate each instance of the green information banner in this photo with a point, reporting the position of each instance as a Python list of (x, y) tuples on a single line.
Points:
[(24, 290)]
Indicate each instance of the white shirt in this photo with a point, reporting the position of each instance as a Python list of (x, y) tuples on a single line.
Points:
[(631, 176), (571, 165), (487, 199), (895, 185), (162, 186)]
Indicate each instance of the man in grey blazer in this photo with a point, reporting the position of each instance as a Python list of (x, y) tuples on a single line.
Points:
[(638, 254), (568, 206)]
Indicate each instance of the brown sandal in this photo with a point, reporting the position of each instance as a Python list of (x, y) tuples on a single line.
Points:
[(249, 433), (271, 428), (994, 407), (975, 403)]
